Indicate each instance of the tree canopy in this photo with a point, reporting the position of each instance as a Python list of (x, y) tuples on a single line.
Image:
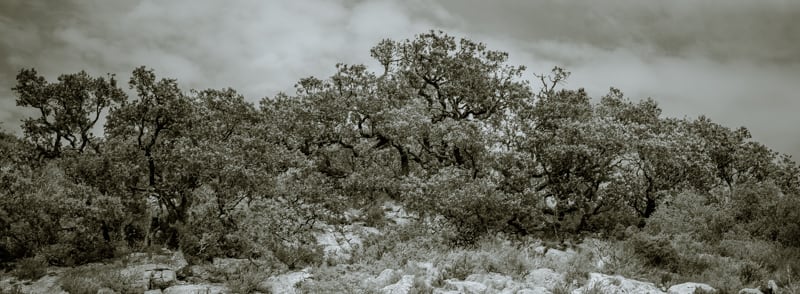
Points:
[(446, 126)]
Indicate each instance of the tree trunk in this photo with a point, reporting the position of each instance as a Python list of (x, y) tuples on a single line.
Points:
[(404, 160)]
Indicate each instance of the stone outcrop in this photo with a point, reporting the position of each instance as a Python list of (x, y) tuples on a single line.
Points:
[(616, 284), (286, 283), (466, 286), (196, 289), (544, 277), (690, 288), (403, 286)]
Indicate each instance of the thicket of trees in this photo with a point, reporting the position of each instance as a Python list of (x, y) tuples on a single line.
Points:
[(447, 127)]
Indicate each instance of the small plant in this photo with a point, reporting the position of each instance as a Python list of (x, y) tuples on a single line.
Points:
[(421, 287), (561, 288), (76, 283), (13, 290), (655, 251), (750, 272), (92, 277), (596, 288), (31, 268), (248, 280), (375, 216), (460, 268), (579, 266), (298, 256)]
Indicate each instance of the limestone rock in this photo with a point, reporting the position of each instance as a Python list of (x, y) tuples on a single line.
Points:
[(161, 279), (689, 288), (338, 243), (544, 277), (493, 280), (750, 291), (196, 273), (535, 290), (616, 284), (386, 277), (157, 291), (230, 265), (143, 275), (396, 213), (106, 290), (466, 286), (430, 273), (773, 286), (444, 291), (286, 283), (559, 256), (46, 284), (165, 258), (401, 287), (196, 289)]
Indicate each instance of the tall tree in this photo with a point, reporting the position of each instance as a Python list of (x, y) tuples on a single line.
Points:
[(68, 109), (150, 132)]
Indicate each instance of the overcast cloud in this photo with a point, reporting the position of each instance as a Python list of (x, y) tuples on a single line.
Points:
[(735, 60)]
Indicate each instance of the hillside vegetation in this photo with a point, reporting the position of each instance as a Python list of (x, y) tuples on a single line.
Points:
[(481, 160)]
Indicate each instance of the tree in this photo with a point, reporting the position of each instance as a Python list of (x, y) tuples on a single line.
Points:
[(150, 132), (657, 160), (68, 109), (733, 157)]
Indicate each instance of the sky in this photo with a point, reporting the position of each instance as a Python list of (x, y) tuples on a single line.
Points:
[(736, 61)]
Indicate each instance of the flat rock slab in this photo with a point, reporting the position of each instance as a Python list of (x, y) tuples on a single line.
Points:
[(544, 277), (535, 290), (493, 280), (401, 287), (46, 284), (466, 286), (196, 289), (616, 284), (286, 283), (689, 288)]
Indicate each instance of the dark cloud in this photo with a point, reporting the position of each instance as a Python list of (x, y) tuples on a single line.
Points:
[(722, 29), (735, 60)]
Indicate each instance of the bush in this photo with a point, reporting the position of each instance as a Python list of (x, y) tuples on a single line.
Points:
[(207, 235), (90, 278), (750, 272), (73, 223), (278, 228), (248, 280), (655, 251), (31, 268), (472, 208)]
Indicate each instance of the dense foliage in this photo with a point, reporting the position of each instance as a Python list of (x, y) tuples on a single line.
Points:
[(447, 128)]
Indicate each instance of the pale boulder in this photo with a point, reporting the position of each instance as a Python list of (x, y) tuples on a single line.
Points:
[(689, 288)]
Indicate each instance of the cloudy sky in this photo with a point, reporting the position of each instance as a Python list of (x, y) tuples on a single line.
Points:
[(737, 61)]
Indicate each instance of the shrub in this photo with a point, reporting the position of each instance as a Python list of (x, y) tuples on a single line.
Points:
[(248, 280), (207, 236), (279, 228), (655, 251), (31, 268), (473, 208), (88, 279), (460, 265), (375, 216), (73, 223), (692, 214), (750, 272)]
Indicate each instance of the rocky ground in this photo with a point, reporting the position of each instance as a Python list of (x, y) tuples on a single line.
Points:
[(168, 273), (547, 270)]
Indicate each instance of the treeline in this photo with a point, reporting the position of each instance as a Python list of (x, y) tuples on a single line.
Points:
[(446, 127)]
